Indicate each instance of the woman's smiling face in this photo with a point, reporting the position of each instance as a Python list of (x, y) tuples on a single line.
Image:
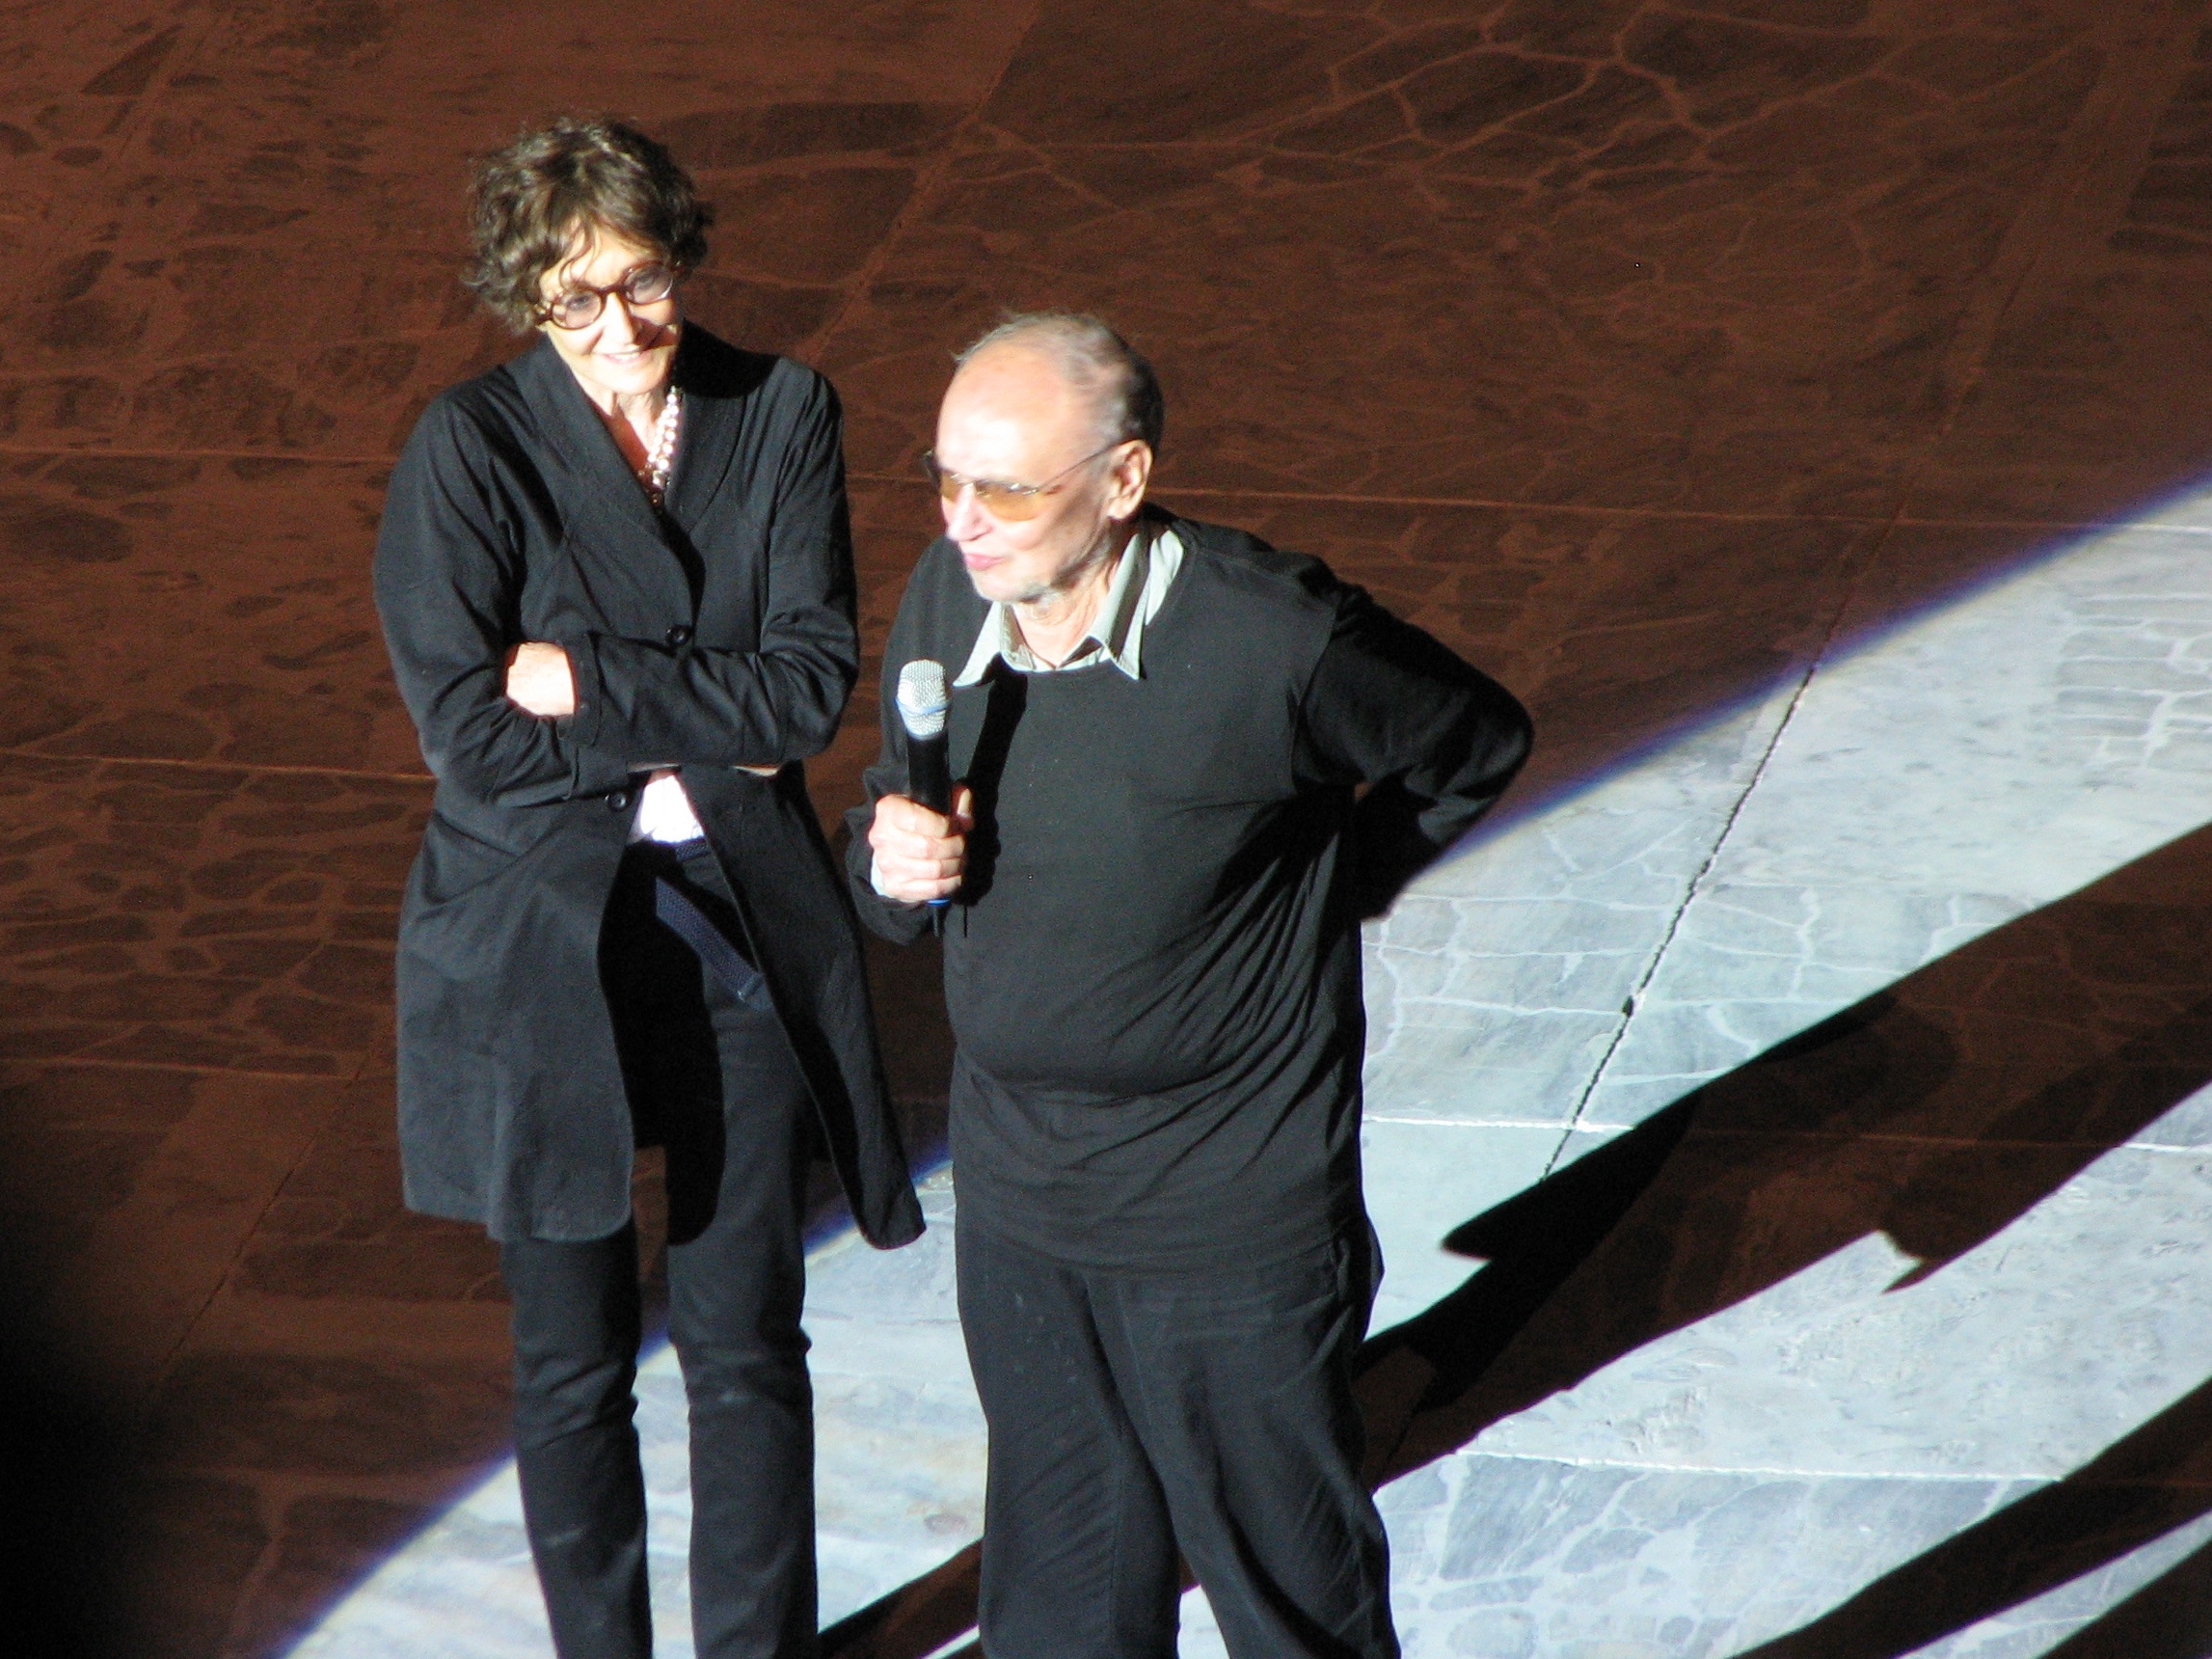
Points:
[(628, 349)]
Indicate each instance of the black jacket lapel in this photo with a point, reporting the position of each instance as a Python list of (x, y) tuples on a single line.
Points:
[(600, 481), (717, 380), (624, 575)]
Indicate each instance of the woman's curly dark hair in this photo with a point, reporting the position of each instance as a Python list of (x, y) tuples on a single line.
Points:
[(530, 201)]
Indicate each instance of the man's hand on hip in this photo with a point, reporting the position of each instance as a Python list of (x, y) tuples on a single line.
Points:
[(920, 855), (538, 678)]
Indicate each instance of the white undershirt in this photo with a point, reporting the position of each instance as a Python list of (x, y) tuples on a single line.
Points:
[(665, 811)]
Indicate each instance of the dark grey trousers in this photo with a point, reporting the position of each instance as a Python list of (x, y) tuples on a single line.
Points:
[(1133, 1412), (713, 1079)]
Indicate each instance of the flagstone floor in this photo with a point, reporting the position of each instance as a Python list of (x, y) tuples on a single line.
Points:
[(1788, 1120)]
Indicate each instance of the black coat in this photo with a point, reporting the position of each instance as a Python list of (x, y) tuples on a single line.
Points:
[(718, 635)]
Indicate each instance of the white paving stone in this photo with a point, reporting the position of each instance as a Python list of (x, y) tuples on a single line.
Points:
[(2022, 1359)]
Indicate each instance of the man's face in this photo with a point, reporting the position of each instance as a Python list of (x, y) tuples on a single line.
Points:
[(1010, 417)]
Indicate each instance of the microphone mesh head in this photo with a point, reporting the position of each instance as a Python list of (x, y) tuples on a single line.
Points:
[(923, 697)]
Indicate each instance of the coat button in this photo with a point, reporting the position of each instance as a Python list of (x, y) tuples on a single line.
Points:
[(618, 801), (679, 637)]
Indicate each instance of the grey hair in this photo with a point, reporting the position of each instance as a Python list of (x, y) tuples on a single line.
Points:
[(1096, 360)]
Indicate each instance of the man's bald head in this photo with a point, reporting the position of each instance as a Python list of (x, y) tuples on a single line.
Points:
[(1094, 361), (1043, 450)]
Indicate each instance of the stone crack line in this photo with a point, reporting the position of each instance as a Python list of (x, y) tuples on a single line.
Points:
[(2108, 145), (189, 36), (1853, 570), (2040, 1477), (247, 1235), (98, 1062), (254, 767), (268, 1561), (1513, 505), (1332, 498), (2105, 132), (923, 197), (178, 453)]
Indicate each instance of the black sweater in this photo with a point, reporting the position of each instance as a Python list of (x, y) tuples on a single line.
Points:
[(1153, 968)]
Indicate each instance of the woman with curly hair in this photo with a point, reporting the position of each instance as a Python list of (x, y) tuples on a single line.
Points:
[(615, 578)]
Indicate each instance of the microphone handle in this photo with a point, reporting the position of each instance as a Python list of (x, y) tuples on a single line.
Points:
[(930, 781), (928, 773)]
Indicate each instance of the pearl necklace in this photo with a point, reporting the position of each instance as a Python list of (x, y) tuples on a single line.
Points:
[(661, 459)]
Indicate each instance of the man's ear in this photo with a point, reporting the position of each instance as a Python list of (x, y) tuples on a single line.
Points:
[(1132, 470)]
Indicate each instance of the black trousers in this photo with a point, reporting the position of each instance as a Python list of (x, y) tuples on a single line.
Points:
[(711, 1078), (1132, 1412)]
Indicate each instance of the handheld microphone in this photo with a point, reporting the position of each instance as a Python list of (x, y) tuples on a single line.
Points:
[(923, 700)]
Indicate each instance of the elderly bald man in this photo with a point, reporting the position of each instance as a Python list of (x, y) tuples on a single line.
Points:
[(1192, 765)]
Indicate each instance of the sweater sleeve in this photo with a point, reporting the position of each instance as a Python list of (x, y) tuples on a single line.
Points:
[(447, 586), (644, 701), (1435, 740), (894, 919)]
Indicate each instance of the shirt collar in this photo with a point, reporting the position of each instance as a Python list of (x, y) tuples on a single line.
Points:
[(1134, 595)]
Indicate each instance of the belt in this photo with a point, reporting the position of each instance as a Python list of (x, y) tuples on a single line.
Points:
[(711, 945)]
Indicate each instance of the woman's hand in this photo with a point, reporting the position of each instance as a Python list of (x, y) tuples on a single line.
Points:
[(539, 680), (920, 855)]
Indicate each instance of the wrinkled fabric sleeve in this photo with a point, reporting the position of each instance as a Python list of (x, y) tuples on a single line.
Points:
[(1435, 740), (894, 919), (449, 577), (692, 705)]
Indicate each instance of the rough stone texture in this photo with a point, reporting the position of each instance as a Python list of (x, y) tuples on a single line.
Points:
[(201, 916), (1789, 1121)]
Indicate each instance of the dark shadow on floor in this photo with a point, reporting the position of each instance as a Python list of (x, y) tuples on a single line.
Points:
[(917, 1618), (1937, 1112), (62, 1438), (2121, 1500), (2170, 1617)]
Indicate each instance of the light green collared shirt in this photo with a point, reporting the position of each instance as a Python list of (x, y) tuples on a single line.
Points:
[(1134, 595)]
